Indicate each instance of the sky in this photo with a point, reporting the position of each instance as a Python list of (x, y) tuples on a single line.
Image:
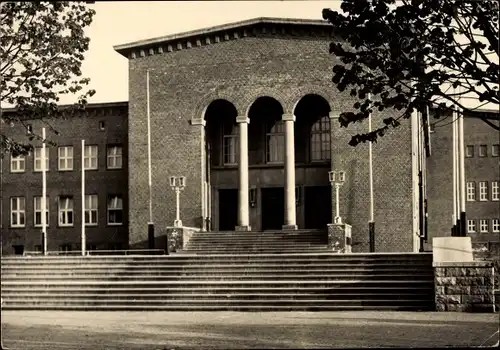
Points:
[(121, 22)]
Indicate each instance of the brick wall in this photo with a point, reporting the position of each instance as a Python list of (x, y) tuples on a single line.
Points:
[(184, 82), (101, 182)]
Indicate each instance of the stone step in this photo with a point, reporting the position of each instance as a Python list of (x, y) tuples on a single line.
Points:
[(201, 307)]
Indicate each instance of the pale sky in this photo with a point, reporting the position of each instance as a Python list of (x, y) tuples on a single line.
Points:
[(119, 22)]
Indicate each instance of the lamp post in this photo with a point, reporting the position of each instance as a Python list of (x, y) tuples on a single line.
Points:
[(177, 183), (337, 178)]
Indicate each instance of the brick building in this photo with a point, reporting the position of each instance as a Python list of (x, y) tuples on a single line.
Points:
[(248, 114), (104, 129)]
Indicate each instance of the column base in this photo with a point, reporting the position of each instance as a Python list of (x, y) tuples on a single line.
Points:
[(289, 227), (242, 228)]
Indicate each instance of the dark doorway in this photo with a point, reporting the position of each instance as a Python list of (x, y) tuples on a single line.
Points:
[(228, 209), (318, 206), (273, 208)]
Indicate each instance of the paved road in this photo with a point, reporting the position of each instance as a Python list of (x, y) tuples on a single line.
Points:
[(243, 330)]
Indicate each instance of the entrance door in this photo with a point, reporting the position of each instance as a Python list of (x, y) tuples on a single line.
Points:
[(273, 208), (318, 206), (228, 209)]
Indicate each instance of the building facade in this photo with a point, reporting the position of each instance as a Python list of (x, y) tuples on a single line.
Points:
[(104, 129), (248, 113)]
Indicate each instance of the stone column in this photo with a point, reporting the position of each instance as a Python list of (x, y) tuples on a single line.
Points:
[(290, 215), (243, 212), (200, 122)]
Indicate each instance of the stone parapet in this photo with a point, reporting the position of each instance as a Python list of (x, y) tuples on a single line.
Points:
[(178, 237), (464, 286), (339, 238)]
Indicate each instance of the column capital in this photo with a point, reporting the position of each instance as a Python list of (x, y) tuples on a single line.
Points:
[(198, 121), (242, 119), (288, 117), (334, 114)]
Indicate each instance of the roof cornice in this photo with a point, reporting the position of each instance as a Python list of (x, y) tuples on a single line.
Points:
[(205, 36)]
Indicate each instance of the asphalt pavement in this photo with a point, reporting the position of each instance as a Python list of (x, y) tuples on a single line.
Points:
[(245, 330)]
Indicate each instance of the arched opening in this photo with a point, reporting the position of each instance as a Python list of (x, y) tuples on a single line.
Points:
[(266, 135), (221, 149), (313, 147), (312, 136)]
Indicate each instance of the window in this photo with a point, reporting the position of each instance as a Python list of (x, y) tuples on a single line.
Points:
[(38, 159), (483, 150), (471, 191), (90, 158), (320, 140), (65, 211), (17, 164), (91, 209), (114, 157), (17, 212), (495, 225), (115, 210), (66, 158), (471, 225), (275, 140), (483, 226), (469, 151), (483, 190), (494, 150), (102, 126), (230, 143), (38, 211), (494, 191)]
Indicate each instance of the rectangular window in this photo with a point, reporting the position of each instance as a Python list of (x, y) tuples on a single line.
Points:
[(230, 149), (320, 140), (471, 226), (90, 158), (469, 151), (17, 212), (471, 191), (494, 150), (38, 159), (115, 210), (114, 157), (483, 150), (495, 225), (483, 226), (38, 211), (494, 191), (275, 141), (65, 211), (483, 190), (91, 210), (66, 158), (17, 164)]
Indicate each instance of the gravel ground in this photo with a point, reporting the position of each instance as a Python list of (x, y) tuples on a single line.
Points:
[(244, 330)]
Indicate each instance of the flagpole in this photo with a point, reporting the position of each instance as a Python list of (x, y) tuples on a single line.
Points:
[(371, 223), (44, 194), (83, 198), (455, 168), (151, 230)]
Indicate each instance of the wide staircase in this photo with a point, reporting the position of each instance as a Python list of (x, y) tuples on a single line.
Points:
[(250, 271)]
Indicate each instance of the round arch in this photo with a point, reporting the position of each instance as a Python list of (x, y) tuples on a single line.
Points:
[(300, 93), (249, 99), (203, 104)]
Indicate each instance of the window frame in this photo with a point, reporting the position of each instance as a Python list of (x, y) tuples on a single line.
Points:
[(483, 191), (495, 225), (65, 158), (275, 132), (483, 151), (471, 191), (230, 133), (91, 157), (486, 222), (495, 191), (114, 156), (39, 211), (88, 211), (39, 159), (109, 208), (467, 153), (471, 224), (61, 210), (21, 159), (20, 213), (495, 149), (324, 153)]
